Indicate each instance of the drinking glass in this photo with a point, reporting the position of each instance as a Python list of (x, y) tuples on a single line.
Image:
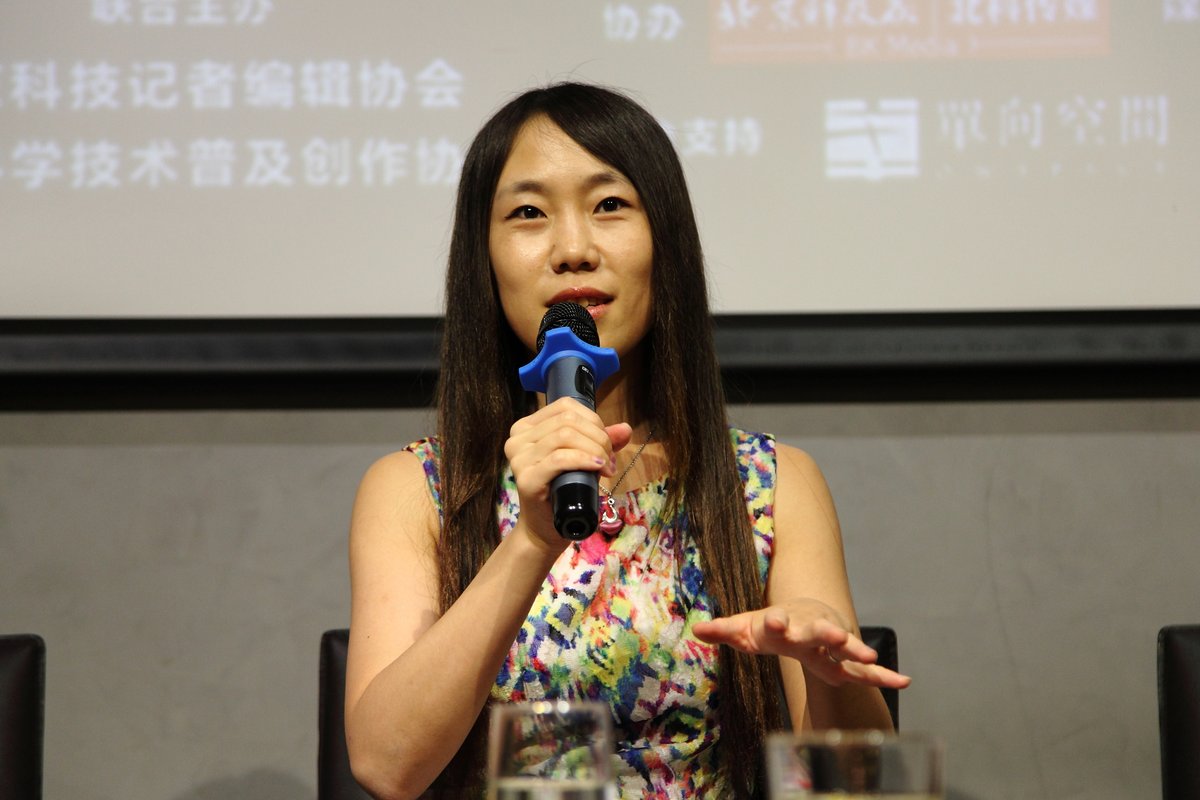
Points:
[(850, 765), (550, 750)]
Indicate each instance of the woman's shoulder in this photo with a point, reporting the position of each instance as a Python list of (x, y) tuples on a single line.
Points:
[(756, 443), (767, 463), (802, 485), (393, 471), (798, 461), (404, 470), (399, 483)]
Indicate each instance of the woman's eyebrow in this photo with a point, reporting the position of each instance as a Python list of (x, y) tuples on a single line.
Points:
[(605, 178), (533, 186), (521, 187)]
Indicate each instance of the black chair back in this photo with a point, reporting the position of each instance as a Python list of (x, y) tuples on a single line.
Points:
[(883, 640), (1179, 711), (334, 779), (22, 715)]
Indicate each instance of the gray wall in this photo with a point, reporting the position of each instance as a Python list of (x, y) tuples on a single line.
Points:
[(181, 567)]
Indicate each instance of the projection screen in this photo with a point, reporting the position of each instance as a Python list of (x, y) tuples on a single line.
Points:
[(298, 158)]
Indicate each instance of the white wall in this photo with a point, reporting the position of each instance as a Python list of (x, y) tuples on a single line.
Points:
[(182, 566)]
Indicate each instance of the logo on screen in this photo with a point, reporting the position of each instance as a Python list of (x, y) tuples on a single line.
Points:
[(872, 144)]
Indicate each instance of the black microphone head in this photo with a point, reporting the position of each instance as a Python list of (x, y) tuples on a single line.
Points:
[(569, 315)]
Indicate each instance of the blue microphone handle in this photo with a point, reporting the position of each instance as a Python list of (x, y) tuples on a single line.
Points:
[(569, 367)]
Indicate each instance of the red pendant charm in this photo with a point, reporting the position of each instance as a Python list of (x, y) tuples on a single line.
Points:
[(610, 521)]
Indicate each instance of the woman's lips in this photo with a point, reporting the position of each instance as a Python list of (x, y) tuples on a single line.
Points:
[(595, 303), (598, 310)]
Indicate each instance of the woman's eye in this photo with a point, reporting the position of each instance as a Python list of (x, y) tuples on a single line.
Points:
[(525, 212), (610, 204)]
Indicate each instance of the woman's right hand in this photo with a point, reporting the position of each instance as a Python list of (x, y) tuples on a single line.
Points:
[(563, 436), (408, 708)]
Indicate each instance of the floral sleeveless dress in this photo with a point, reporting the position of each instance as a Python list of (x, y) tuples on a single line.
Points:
[(613, 623)]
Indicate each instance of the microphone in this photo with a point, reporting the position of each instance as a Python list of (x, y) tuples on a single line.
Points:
[(571, 363)]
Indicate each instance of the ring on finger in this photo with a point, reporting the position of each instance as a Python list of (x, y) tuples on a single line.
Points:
[(829, 654)]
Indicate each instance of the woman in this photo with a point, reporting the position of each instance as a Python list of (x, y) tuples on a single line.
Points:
[(721, 575)]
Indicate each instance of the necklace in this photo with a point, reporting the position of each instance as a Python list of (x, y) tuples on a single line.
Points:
[(610, 521)]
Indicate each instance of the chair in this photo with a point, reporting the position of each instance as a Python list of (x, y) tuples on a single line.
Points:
[(1179, 710), (334, 779), (22, 714), (883, 640)]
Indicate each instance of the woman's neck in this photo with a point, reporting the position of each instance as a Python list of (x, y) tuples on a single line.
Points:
[(621, 398)]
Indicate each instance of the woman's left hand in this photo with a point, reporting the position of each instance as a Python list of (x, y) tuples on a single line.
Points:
[(809, 631)]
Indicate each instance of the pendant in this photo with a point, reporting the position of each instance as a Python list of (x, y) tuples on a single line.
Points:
[(610, 522)]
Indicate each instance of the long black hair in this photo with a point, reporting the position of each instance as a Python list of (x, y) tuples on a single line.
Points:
[(480, 396)]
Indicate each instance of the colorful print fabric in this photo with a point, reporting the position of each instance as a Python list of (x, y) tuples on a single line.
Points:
[(613, 624)]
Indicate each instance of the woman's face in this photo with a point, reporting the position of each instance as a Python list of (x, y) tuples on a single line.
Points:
[(565, 226)]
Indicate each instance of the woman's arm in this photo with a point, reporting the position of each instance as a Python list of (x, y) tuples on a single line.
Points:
[(416, 681), (829, 674)]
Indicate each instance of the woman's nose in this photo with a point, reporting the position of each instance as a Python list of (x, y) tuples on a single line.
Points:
[(574, 248)]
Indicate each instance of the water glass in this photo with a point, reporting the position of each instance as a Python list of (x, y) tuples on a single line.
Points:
[(550, 750), (851, 765)]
